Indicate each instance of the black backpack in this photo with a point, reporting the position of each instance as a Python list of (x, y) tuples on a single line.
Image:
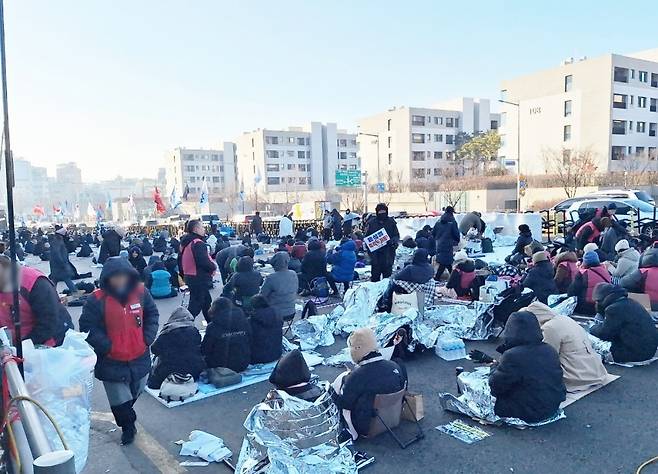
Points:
[(512, 300)]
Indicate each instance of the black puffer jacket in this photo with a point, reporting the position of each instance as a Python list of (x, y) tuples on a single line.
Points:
[(245, 282), (626, 324), (266, 335), (541, 279), (227, 342), (147, 248), (446, 234), (314, 263), (110, 247), (420, 270), (527, 381), (524, 238), (177, 351)]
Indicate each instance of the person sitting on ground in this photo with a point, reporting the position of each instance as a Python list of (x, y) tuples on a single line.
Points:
[(594, 247), (373, 375), (160, 242), (627, 261), (244, 283), (462, 276), (296, 255), (610, 236), (645, 278), (146, 274), (527, 381), (590, 274), (158, 281), (590, 231), (137, 260), (425, 241), (343, 261), (419, 271), (525, 238), (247, 252), (566, 269), (314, 265), (540, 277), (280, 287), (147, 248), (227, 342), (266, 332), (85, 250), (582, 367), (404, 253), (224, 258), (111, 245), (626, 324), (292, 375), (177, 349)]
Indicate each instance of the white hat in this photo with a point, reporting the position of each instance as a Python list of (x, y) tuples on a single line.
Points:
[(61, 231), (622, 245), (460, 256), (591, 247)]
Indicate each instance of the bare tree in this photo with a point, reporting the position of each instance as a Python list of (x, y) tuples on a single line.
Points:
[(425, 188), (637, 170), (353, 199), (453, 188), (572, 168)]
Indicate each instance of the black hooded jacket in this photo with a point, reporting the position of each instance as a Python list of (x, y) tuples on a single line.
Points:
[(626, 324), (227, 342), (446, 234), (420, 270), (266, 335), (245, 282), (110, 247), (92, 321), (314, 263), (527, 381), (138, 262), (292, 375), (541, 280), (387, 223)]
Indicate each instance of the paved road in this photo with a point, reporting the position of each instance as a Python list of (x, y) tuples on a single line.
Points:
[(610, 431)]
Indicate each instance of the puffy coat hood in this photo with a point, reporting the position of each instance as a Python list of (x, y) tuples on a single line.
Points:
[(290, 370), (566, 257), (542, 312), (420, 256), (349, 246), (135, 249), (605, 294), (187, 238), (245, 264), (522, 329), (408, 242), (115, 266), (280, 261), (630, 254), (314, 244), (649, 258), (153, 259)]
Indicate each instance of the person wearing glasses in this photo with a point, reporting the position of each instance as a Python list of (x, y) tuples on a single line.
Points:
[(122, 321)]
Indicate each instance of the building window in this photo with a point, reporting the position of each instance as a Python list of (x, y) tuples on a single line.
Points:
[(438, 137), (342, 142), (619, 101), (301, 155), (639, 151), (418, 120), (494, 125), (272, 167), (642, 102), (290, 167), (352, 141), (301, 141), (438, 155), (390, 158), (301, 167), (450, 122), (418, 138), (188, 157), (566, 135), (437, 171), (568, 83), (653, 105), (450, 155), (651, 153), (272, 140), (619, 127), (654, 79), (290, 153), (352, 155), (418, 156), (652, 129), (291, 140), (450, 139), (272, 153), (302, 180), (388, 140), (215, 179), (342, 155), (273, 180), (567, 108), (618, 153), (643, 76), (418, 173), (621, 74), (641, 127), (388, 125), (457, 123)]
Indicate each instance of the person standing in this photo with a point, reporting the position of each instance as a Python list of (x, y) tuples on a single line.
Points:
[(327, 222), (285, 226), (337, 224), (382, 259), (61, 269), (256, 224), (447, 236), (197, 268), (121, 320)]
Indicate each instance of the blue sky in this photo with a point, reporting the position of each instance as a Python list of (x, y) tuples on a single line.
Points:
[(114, 84)]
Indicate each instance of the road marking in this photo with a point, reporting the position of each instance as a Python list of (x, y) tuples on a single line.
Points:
[(153, 450)]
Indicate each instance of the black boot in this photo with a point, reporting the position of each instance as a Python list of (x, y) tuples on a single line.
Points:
[(128, 435), (125, 417)]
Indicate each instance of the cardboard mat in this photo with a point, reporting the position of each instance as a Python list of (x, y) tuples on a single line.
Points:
[(575, 396)]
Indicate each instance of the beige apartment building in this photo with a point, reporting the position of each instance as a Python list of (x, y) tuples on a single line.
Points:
[(608, 105)]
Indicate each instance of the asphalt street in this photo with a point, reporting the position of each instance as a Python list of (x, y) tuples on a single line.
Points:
[(612, 430)]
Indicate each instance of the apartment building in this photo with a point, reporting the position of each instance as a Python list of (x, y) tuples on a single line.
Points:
[(607, 105), (409, 145), (295, 160), (187, 167)]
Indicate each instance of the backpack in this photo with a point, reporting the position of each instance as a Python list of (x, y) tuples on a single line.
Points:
[(178, 387), (223, 377), (513, 300), (319, 290), (487, 245)]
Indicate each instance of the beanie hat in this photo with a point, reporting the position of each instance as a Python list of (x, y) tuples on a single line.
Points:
[(290, 370), (622, 245), (591, 259), (381, 207), (460, 256), (524, 228), (591, 247), (539, 257), (361, 343), (449, 210)]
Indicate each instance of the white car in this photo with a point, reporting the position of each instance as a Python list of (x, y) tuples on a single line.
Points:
[(625, 194), (641, 215)]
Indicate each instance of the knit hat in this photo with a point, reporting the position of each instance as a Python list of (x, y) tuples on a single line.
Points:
[(622, 245), (524, 228), (449, 210), (591, 247), (290, 370), (460, 256), (591, 259), (539, 257), (361, 343)]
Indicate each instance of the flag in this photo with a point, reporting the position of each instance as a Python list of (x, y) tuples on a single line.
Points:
[(38, 210), (174, 199), (203, 197), (57, 211), (157, 199), (186, 192), (90, 210), (257, 177)]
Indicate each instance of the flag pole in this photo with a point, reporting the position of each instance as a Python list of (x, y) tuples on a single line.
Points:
[(9, 175)]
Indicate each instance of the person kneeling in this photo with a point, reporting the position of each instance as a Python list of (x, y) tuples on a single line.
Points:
[(373, 375), (527, 380), (462, 276)]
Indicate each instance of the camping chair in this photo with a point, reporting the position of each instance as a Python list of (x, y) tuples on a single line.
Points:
[(289, 320), (387, 411)]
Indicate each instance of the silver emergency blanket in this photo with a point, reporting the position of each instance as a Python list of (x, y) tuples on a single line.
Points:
[(477, 402), (287, 435), (566, 307), (359, 304), (403, 255), (601, 347), (314, 331), (340, 359)]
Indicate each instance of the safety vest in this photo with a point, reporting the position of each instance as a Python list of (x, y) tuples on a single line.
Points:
[(124, 324), (651, 283), (571, 268), (595, 231), (595, 276), (187, 259), (465, 279), (29, 277)]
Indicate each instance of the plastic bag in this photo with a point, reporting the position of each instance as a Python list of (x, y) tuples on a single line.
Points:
[(61, 379)]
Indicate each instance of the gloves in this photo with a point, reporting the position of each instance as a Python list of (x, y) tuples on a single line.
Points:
[(479, 356)]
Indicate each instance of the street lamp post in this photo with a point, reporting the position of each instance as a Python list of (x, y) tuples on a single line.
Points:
[(379, 177), (518, 151)]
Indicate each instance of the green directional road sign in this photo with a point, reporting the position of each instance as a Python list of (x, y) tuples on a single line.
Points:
[(348, 177)]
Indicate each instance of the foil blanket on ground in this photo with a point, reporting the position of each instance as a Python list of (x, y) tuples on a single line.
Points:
[(477, 402), (287, 435), (566, 307)]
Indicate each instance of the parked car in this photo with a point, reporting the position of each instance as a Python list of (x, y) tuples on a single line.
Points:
[(634, 211), (626, 194)]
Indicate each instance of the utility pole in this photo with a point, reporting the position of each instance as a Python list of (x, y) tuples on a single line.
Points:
[(518, 151)]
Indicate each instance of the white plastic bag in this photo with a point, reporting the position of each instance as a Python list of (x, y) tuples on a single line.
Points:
[(61, 379)]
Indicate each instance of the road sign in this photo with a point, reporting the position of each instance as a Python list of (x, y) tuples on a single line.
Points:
[(381, 187), (348, 177)]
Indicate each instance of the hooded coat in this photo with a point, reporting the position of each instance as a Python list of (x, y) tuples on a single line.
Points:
[(280, 287), (245, 282), (266, 335), (565, 270), (540, 279), (110, 247), (227, 342), (159, 243), (627, 263), (60, 266), (626, 324), (524, 238), (147, 248), (376, 222), (292, 375), (636, 281), (205, 267), (92, 321), (314, 263), (138, 262), (527, 380), (424, 240), (469, 221), (343, 260), (177, 348), (420, 270), (581, 364), (447, 236)]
